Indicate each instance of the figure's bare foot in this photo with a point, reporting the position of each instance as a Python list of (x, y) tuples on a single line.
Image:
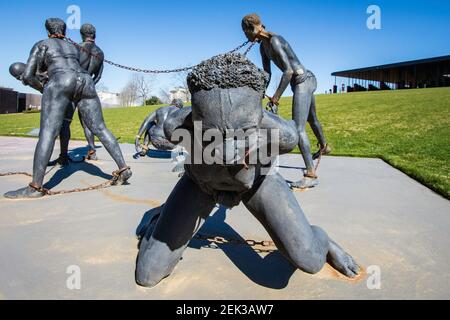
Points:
[(305, 183), (323, 151), (122, 176), (24, 193), (342, 261), (92, 155)]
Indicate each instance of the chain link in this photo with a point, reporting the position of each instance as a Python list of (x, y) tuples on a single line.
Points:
[(264, 246), (133, 69), (6, 174), (48, 192)]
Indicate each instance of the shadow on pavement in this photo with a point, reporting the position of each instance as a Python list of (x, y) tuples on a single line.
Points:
[(66, 171)]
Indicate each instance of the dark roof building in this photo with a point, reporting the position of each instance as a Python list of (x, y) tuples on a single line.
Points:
[(424, 73), (12, 101), (8, 100)]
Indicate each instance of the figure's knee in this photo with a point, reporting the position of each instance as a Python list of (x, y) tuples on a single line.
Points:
[(148, 278), (312, 255), (98, 129), (154, 263)]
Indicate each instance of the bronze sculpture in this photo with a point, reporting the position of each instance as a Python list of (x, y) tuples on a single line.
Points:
[(303, 83), (67, 83), (227, 92), (153, 129), (91, 60)]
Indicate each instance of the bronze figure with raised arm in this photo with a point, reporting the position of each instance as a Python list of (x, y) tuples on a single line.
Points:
[(274, 48)]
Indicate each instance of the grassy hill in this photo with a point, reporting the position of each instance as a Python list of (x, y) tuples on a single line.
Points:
[(410, 129)]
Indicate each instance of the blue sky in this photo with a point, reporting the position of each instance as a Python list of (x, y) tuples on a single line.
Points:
[(327, 35)]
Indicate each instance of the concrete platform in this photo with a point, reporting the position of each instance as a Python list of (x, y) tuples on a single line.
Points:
[(381, 216)]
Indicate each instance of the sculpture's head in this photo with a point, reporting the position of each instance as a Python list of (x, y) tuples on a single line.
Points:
[(226, 92), (56, 28), (17, 69), (252, 26), (177, 103), (88, 32)]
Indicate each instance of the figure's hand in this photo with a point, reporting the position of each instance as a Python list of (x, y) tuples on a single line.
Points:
[(137, 144), (274, 101), (272, 107), (44, 80)]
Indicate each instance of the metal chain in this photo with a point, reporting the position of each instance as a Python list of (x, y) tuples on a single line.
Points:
[(48, 192), (103, 185), (14, 174), (6, 174), (259, 246), (133, 69), (321, 153)]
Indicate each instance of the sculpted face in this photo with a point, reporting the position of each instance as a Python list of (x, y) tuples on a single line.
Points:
[(232, 108), (252, 25), (251, 32)]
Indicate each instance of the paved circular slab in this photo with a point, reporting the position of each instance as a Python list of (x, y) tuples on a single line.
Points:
[(386, 220)]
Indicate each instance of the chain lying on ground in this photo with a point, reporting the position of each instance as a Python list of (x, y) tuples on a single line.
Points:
[(15, 174), (264, 246), (6, 174), (133, 69), (48, 192), (102, 185)]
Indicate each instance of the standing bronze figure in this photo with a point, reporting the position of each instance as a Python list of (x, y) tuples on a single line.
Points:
[(67, 83), (303, 83), (91, 60)]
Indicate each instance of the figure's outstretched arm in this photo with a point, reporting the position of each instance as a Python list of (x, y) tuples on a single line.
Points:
[(285, 131), (145, 126), (30, 75), (283, 58)]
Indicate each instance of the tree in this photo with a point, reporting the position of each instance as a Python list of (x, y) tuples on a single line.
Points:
[(137, 88), (154, 100), (128, 95), (164, 96), (101, 87), (181, 82), (143, 86)]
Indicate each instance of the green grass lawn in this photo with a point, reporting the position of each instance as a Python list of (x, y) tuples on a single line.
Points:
[(410, 129)]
